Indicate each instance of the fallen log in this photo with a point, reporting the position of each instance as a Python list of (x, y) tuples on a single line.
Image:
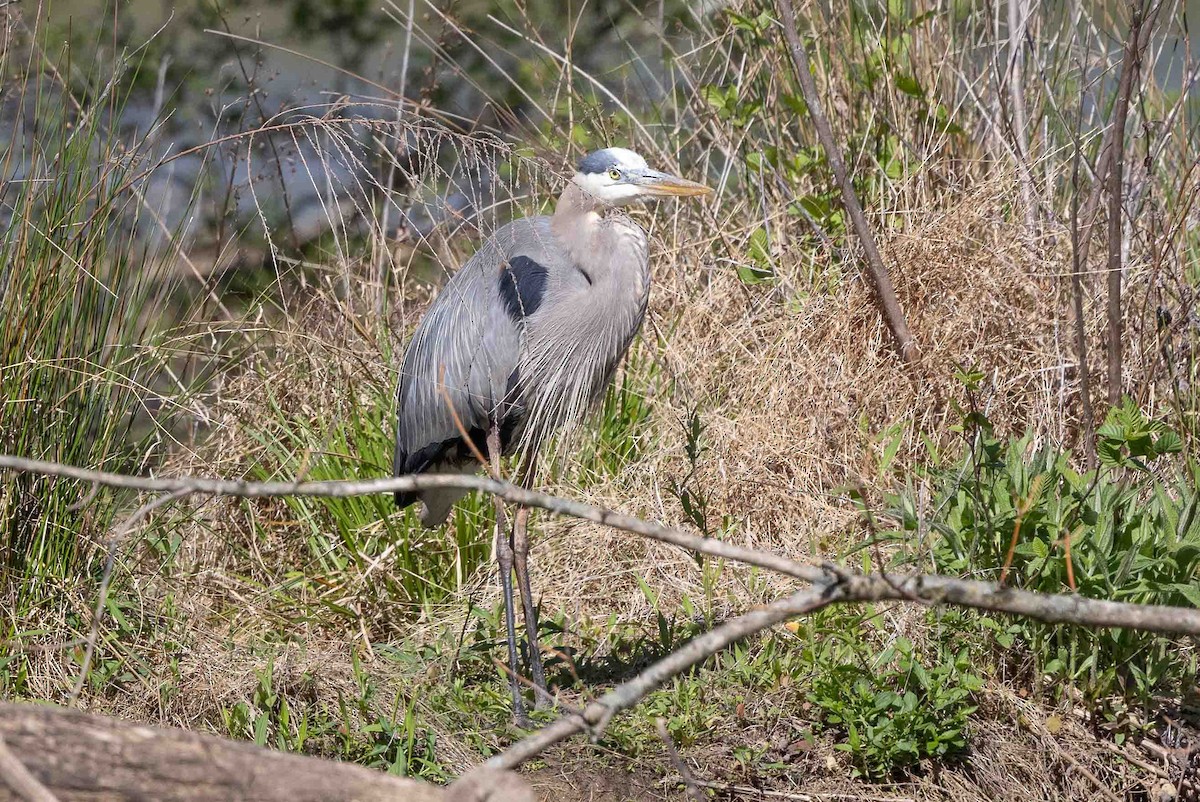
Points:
[(51, 753)]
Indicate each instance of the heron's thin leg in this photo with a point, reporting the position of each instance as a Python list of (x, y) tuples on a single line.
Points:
[(504, 555), (521, 555)]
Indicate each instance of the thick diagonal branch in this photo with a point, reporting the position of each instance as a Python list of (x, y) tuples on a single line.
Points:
[(839, 588)]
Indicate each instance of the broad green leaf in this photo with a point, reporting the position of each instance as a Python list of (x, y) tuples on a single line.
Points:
[(909, 85)]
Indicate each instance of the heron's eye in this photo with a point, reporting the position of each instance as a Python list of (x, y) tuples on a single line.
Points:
[(614, 174)]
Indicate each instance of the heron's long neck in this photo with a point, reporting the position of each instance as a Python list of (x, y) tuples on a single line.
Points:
[(577, 223)]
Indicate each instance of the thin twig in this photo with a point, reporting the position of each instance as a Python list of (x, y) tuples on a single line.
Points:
[(1134, 760), (1107, 145), (1130, 65), (346, 489), (1018, 18), (889, 304), (841, 587), (86, 500), (808, 796), (1086, 772), (677, 761), (538, 691), (1078, 264)]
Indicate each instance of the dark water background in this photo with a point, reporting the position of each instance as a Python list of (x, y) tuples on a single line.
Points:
[(196, 85)]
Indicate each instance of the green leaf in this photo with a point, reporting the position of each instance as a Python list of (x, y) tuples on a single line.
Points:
[(1190, 592), (759, 247), (115, 611), (756, 161), (795, 104), (817, 206), (751, 274), (909, 85), (719, 98), (1168, 443), (1110, 453)]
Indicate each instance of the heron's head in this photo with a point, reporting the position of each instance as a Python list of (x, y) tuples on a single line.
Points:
[(616, 177)]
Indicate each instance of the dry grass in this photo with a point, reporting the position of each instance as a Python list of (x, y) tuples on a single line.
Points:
[(795, 396)]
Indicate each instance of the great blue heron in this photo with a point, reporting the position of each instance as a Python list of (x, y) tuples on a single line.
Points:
[(523, 341)]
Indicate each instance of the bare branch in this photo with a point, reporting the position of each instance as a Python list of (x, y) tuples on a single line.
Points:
[(677, 761), (734, 791), (889, 304), (1078, 257), (926, 588), (1018, 18), (841, 588), (1052, 608), (1108, 145), (1130, 66), (367, 487)]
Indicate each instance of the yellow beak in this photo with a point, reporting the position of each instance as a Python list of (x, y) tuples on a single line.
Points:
[(655, 183)]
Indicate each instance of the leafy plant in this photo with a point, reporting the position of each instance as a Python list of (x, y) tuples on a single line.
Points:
[(895, 707), (1127, 531), (1129, 439), (693, 499), (266, 717)]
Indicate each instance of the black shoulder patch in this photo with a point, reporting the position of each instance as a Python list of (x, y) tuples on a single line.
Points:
[(522, 286)]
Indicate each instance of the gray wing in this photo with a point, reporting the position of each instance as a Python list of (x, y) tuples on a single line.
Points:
[(457, 365), (463, 356)]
